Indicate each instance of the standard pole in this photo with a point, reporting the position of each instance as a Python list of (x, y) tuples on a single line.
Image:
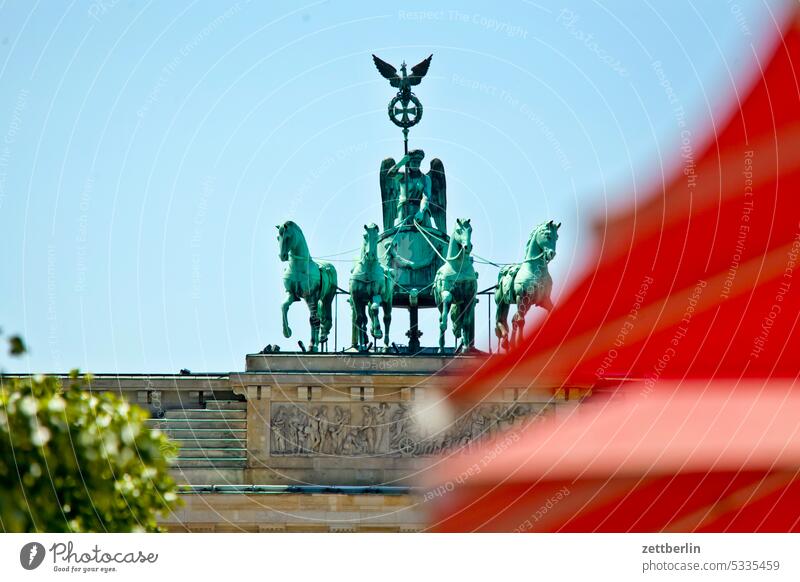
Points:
[(489, 320), (405, 153), (413, 332), (413, 310), (336, 324)]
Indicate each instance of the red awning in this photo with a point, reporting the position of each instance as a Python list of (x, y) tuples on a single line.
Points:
[(701, 279), (670, 461), (696, 294)]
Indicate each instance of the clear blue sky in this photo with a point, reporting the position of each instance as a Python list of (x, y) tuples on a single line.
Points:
[(147, 149)]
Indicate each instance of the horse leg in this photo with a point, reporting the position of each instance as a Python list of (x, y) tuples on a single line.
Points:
[(374, 315), (444, 310), (363, 324), (501, 323), (469, 326), (323, 310), (356, 336), (327, 294), (287, 302), (457, 319), (387, 321), (359, 319), (313, 320), (512, 340), (518, 323)]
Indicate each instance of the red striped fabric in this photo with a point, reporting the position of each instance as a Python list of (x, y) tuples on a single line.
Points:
[(695, 300), (703, 278), (696, 459)]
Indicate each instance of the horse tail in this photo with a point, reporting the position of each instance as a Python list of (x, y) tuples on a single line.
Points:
[(388, 286), (355, 340), (502, 294), (329, 283), (456, 318), (498, 292)]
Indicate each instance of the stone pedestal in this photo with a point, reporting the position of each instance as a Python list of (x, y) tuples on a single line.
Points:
[(298, 513), (357, 419)]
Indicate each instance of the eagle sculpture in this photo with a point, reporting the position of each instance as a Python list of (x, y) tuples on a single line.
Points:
[(403, 81)]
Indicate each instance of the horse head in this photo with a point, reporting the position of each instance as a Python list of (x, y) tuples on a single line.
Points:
[(543, 241), (370, 248), (289, 237), (462, 236)]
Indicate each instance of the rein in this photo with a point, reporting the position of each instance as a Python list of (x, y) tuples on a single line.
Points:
[(537, 257), (430, 244)]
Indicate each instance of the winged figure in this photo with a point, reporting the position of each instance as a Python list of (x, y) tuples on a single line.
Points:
[(402, 80), (411, 194)]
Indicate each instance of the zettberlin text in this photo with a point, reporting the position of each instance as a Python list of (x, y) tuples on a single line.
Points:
[(671, 549)]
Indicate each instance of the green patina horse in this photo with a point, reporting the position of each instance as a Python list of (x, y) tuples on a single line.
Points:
[(526, 284), (455, 288), (371, 286), (304, 278)]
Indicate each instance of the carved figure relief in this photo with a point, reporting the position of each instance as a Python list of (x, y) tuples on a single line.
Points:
[(386, 428)]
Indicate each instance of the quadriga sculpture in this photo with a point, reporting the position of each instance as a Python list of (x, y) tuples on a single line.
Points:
[(371, 287), (305, 278), (526, 284), (456, 286)]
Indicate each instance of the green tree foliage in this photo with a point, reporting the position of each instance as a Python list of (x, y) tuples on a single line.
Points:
[(73, 460)]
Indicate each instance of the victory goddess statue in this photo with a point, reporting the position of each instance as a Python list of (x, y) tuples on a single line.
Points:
[(410, 195)]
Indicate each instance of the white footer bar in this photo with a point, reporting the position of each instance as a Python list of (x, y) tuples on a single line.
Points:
[(390, 557)]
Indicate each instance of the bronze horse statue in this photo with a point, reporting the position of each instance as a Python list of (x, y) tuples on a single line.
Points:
[(455, 288), (526, 284), (305, 278), (371, 287)]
